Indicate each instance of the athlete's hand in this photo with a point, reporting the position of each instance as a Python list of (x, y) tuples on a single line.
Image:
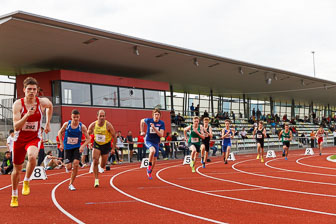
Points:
[(142, 133), (47, 128), (81, 149), (152, 125), (31, 111), (61, 147)]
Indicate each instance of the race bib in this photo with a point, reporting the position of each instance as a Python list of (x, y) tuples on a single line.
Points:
[(206, 134), (194, 140), (152, 131), (30, 126), (286, 139), (259, 136), (100, 138), (72, 141)]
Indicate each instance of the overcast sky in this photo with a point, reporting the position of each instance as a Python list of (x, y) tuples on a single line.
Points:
[(279, 34)]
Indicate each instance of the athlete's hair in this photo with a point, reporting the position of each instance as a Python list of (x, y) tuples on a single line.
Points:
[(321, 126), (261, 122), (156, 110), (75, 112), (196, 117), (227, 120), (11, 131), (29, 81), (99, 112), (206, 119), (286, 125)]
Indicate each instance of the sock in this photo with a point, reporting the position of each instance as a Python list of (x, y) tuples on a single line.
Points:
[(150, 163), (26, 179), (15, 193), (149, 167)]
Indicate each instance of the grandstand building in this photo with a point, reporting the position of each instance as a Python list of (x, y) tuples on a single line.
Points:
[(88, 68)]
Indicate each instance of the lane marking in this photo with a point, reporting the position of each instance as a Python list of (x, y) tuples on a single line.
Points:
[(242, 189), (280, 178), (108, 202), (156, 205), (239, 199), (322, 167)]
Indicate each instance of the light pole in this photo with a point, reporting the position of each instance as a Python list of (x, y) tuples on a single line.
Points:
[(313, 52)]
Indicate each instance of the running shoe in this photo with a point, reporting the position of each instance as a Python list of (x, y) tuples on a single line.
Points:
[(14, 202), (193, 169), (283, 153), (149, 174), (96, 184), (71, 187), (262, 159), (320, 154), (203, 165), (202, 160), (192, 163), (285, 158), (258, 156), (25, 188), (226, 162), (114, 162)]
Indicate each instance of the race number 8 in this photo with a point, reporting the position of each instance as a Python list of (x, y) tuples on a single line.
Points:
[(37, 173)]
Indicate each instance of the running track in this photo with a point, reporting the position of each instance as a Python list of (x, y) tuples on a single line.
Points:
[(300, 190)]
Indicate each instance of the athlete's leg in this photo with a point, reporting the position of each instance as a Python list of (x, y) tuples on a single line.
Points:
[(223, 151), (15, 177), (202, 153), (151, 158), (95, 161), (193, 152), (227, 152), (75, 166), (32, 155), (154, 162), (258, 149), (103, 160)]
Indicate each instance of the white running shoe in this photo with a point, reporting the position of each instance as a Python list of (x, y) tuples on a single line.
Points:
[(71, 187)]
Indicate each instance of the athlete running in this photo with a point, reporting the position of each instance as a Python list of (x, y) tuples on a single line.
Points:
[(227, 135), (286, 136), (260, 134), (27, 119), (103, 133), (194, 141), (320, 133), (155, 131), (72, 131), (205, 147)]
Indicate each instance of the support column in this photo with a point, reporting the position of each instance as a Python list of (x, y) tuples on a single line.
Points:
[(212, 104), (271, 106), (244, 105), (171, 98), (293, 109)]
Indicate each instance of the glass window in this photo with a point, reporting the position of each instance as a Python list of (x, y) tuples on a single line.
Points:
[(76, 93), (130, 97), (154, 99), (105, 95), (56, 92)]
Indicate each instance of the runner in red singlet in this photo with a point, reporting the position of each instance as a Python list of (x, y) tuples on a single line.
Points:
[(27, 119), (319, 136)]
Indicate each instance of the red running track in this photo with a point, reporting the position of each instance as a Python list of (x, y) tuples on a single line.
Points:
[(299, 190)]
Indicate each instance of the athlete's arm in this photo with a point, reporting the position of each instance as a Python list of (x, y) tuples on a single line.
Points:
[(280, 134), (254, 132), (45, 103), (60, 134), (159, 133), (91, 128), (233, 133), (87, 138), (291, 135), (264, 132), (186, 129), (142, 127), (112, 131), (210, 132), (202, 132)]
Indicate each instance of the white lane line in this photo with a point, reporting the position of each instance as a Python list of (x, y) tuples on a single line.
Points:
[(263, 187), (296, 171), (239, 199), (280, 178), (322, 167), (107, 202), (242, 189), (156, 205)]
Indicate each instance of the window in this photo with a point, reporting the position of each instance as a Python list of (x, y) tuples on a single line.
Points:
[(105, 95), (130, 97), (56, 92), (76, 93), (154, 99)]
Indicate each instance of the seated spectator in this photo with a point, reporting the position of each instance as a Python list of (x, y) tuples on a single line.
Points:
[(179, 120), (7, 164), (240, 115), (215, 122), (172, 116), (50, 161), (206, 114), (213, 148), (243, 134), (183, 147)]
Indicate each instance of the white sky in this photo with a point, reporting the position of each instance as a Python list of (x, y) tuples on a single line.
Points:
[(279, 34)]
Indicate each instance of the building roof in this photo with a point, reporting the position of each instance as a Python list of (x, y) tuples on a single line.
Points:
[(31, 43)]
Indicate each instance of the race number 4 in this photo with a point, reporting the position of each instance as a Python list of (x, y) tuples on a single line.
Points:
[(231, 157), (270, 154), (187, 160), (144, 163), (309, 151), (39, 173)]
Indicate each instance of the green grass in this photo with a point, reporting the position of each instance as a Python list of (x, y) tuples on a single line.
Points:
[(333, 157)]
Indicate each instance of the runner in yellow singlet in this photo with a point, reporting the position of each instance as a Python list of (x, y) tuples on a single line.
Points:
[(103, 133)]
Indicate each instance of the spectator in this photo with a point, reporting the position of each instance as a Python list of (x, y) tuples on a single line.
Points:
[(50, 161), (129, 140), (312, 139), (85, 152), (173, 145), (240, 115), (141, 148), (120, 146), (197, 109), (167, 145), (253, 112), (10, 142), (243, 134), (7, 164), (41, 153), (60, 152), (183, 147), (233, 116), (334, 134), (172, 116), (215, 122), (192, 109), (206, 114), (180, 120), (165, 157), (258, 114), (213, 147)]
